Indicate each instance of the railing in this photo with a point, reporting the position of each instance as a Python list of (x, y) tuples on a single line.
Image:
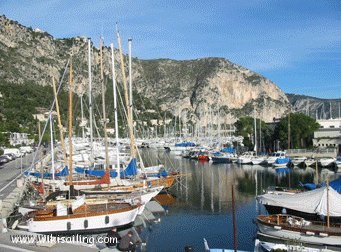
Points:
[(330, 152)]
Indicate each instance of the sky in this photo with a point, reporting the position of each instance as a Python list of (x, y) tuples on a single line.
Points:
[(294, 43)]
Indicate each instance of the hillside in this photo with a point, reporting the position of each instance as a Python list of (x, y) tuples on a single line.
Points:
[(315, 107), (195, 90)]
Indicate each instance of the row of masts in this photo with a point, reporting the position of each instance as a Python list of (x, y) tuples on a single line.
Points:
[(128, 105)]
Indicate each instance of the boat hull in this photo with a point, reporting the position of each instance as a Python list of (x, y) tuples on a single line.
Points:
[(221, 160), (244, 161), (258, 161), (83, 224), (302, 236), (326, 162)]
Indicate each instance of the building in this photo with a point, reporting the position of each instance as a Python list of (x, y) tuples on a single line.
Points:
[(329, 134), (19, 139)]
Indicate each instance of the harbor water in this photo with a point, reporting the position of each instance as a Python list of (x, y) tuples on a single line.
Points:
[(203, 202)]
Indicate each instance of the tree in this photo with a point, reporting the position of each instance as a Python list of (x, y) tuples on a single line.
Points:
[(302, 129), (244, 128)]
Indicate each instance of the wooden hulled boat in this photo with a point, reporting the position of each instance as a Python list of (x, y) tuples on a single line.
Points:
[(290, 227), (141, 196), (83, 219)]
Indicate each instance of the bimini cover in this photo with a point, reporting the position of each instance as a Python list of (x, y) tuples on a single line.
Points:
[(314, 202)]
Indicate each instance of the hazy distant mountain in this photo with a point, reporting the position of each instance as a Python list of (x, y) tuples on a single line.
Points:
[(315, 107), (201, 89)]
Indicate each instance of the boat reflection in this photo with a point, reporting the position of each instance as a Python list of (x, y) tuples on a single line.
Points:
[(165, 198)]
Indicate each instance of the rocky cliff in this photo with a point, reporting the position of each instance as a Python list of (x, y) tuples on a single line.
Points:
[(315, 107), (191, 89)]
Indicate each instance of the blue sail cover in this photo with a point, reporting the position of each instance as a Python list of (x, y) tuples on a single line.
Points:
[(185, 144), (100, 173), (282, 160), (335, 184), (310, 186), (131, 169), (62, 173), (228, 150), (80, 170), (160, 174)]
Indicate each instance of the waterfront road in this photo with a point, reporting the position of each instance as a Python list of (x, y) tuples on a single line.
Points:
[(12, 170)]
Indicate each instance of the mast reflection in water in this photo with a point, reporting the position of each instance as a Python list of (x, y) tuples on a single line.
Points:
[(203, 206)]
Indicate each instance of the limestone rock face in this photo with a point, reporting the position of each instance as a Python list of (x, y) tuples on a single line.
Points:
[(195, 88), (191, 89), (315, 107)]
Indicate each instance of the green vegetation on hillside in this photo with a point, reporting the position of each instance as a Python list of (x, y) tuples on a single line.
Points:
[(19, 103)]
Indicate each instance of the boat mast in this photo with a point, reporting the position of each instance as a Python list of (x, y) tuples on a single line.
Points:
[(90, 101), (115, 111), (260, 135), (129, 116), (52, 149), (328, 217), (103, 108), (60, 126), (255, 131), (130, 82), (82, 114), (70, 123), (289, 131)]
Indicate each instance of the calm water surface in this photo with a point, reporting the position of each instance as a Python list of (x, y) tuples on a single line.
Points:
[(203, 206)]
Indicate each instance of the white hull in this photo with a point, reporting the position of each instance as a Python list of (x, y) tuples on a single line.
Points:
[(311, 238), (145, 198), (262, 246), (326, 161), (95, 223), (280, 165), (298, 161), (310, 162), (271, 160), (244, 161), (178, 148), (258, 161)]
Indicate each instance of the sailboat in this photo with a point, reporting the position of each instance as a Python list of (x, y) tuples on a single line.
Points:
[(291, 227), (310, 205), (79, 216)]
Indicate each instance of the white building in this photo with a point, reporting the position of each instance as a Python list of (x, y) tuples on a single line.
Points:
[(329, 134), (19, 139)]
